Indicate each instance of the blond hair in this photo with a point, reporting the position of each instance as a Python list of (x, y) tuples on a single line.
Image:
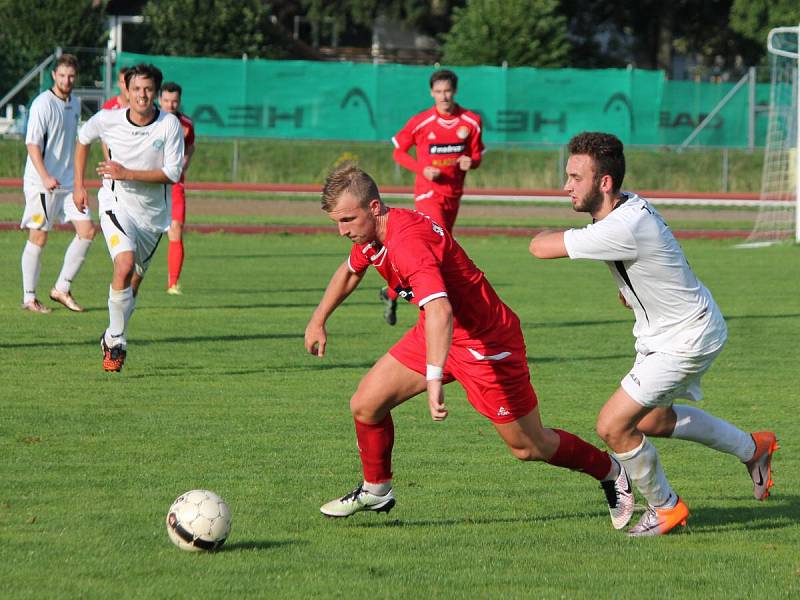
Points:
[(348, 178)]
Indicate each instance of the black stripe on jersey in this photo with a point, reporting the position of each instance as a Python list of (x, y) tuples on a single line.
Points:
[(114, 220), (109, 158), (43, 198), (149, 256), (624, 274), (44, 144)]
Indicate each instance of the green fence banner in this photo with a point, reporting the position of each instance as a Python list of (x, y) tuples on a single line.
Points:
[(526, 106)]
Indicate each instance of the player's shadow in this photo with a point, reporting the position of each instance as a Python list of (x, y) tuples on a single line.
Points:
[(259, 545), (777, 512), (388, 522), (532, 360)]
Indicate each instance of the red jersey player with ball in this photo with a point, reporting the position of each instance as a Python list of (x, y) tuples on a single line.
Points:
[(465, 333)]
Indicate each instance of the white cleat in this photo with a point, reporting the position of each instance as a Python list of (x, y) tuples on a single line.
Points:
[(66, 299), (36, 307), (356, 501), (619, 496)]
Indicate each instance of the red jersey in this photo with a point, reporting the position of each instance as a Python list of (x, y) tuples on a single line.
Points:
[(439, 141), (188, 134), (421, 261), (112, 104)]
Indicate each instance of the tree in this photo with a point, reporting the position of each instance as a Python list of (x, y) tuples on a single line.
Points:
[(754, 18), (516, 32), (33, 28), (215, 28)]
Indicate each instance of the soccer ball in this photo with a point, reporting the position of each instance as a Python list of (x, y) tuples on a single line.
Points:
[(198, 520)]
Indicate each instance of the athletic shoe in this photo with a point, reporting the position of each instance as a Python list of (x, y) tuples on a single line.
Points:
[(659, 521), (175, 290), (36, 307), (113, 358), (356, 501), (389, 306), (760, 466), (66, 299), (619, 496)]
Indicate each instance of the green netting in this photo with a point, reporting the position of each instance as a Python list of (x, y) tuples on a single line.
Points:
[(348, 101)]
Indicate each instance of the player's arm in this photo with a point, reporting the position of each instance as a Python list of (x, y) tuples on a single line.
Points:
[(341, 285), (79, 195), (438, 337), (475, 148), (35, 153), (187, 157), (549, 244)]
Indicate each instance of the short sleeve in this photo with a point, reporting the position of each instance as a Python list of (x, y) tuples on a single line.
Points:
[(404, 139), (91, 130), (416, 260), (37, 125), (608, 239)]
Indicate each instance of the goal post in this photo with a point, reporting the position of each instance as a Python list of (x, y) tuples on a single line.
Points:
[(778, 218)]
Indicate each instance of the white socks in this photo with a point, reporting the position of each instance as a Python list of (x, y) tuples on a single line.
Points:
[(31, 265), (699, 426), (120, 308), (647, 475), (73, 260), (377, 489)]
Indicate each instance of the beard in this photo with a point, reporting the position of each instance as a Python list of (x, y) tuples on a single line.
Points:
[(592, 201)]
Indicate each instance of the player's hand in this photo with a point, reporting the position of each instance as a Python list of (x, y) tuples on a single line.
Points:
[(436, 400), (464, 162), (316, 339), (80, 198), (431, 173), (624, 302), (110, 169), (50, 183)]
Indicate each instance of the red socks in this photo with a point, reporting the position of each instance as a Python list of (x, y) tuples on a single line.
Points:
[(175, 261), (375, 442), (575, 454)]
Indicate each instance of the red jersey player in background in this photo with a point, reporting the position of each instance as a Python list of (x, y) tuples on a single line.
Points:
[(448, 143), (121, 99), (170, 101), (464, 333)]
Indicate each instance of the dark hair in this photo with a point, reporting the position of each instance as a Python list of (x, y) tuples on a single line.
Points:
[(445, 75), (66, 60), (348, 178), (146, 71), (123, 70), (171, 86), (606, 151)]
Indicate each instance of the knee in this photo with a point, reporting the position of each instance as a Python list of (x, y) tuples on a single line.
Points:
[(527, 453), (607, 430), (365, 411), (89, 234)]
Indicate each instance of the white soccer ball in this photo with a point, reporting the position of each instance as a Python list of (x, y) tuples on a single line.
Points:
[(198, 520)]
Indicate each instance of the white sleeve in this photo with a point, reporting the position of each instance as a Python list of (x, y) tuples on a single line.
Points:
[(91, 130), (173, 151), (608, 239), (37, 125)]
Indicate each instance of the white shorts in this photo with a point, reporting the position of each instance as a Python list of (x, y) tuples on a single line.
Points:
[(657, 379), (43, 210), (123, 235)]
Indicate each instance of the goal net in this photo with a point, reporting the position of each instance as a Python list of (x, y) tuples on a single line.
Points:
[(778, 219)]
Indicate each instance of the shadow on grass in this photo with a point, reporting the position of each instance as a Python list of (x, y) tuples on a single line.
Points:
[(532, 360), (477, 520), (258, 545), (777, 512), (567, 324)]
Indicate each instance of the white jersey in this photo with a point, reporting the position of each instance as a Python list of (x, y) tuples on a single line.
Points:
[(675, 313), (52, 125), (158, 145)]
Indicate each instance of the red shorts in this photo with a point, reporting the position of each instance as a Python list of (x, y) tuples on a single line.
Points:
[(441, 209), (498, 386), (178, 202)]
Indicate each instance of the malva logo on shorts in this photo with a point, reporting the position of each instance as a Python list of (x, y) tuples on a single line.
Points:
[(114, 240)]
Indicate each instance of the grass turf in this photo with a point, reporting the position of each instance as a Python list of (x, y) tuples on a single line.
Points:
[(218, 393)]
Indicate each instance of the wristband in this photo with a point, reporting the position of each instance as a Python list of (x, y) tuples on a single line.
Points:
[(433, 373)]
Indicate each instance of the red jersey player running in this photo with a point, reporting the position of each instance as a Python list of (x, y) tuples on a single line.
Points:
[(121, 99), (447, 139), (464, 333), (170, 101)]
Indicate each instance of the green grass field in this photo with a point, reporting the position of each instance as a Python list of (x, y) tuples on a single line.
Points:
[(218, 393), (297, 161)]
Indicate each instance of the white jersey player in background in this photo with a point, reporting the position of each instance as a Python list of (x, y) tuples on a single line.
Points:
[(679, 331), (50, 141), (145, 147)]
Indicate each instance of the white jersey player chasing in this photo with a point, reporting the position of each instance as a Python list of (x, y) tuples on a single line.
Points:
[(679, 332), (47, 184), (145, 147)]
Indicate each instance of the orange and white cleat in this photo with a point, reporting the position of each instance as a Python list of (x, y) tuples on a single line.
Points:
[(659, 521), (760, 466), (113, 357)]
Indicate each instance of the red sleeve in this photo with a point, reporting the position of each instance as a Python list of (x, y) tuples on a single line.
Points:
[(416, 259), (403, 140), (475, 142), (189, 141), (358, 261)]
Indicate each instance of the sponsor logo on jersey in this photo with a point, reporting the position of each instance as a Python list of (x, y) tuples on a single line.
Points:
[(158, 144), (446, 148), (406, 293), (462, 132)]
